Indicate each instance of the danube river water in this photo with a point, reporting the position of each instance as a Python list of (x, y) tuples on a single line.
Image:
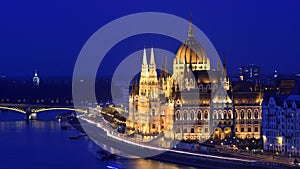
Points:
[(43, 145)]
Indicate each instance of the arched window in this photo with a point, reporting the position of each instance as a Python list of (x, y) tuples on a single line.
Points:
[(185, 115), (153, 112), (256, 114), (192, 115), (230, 114), (207, 87), (225, 114), (220, 114), (215, 87), (199, 115), (206, 115), (242, 114), (201, 87), (199, 129), (178, 115), (249, 114)]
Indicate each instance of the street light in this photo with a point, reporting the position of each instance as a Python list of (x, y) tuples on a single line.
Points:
[(271, 147), (293, 149)]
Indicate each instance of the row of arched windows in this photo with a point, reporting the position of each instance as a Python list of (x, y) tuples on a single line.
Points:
[(222, 114), (207, 87), (249, 115), (216, 115), (192, 115)]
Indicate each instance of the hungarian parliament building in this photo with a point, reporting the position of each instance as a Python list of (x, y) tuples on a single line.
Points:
[(196, 102)]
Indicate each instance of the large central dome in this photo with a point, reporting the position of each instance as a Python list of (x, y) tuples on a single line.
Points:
[(191, 51)]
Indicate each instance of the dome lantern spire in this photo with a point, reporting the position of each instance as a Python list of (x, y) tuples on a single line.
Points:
[(191, 29)]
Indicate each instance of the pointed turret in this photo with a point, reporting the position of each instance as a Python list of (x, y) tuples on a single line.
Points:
[(152, 80), (145, 58), (152, 65), (143, 88), (144, 72), (152, 61)]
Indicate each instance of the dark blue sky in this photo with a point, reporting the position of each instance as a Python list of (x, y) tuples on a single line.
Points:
[(48, 35)]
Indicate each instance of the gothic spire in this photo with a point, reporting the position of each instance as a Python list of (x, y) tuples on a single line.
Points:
[(152, 61), (144, 72), (145, 58)]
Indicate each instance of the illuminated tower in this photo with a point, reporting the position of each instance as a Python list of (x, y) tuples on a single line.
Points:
[(36, 79), (144, 106), (143, 86), (152, 80), (192, 54)]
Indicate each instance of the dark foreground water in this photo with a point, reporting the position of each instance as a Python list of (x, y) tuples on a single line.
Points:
[(43, 145)]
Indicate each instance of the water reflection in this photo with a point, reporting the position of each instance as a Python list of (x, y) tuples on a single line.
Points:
[(50, 147)]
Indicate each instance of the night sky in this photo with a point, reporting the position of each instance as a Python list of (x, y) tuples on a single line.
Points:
[(48, 35)]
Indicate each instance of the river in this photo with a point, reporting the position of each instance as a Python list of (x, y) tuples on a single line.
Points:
[(43, 145)]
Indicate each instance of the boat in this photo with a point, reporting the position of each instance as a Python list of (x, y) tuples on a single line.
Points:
[(78, 137), (64, 127), (65, 116), (105, 155)]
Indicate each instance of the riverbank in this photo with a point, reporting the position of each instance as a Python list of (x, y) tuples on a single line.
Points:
[(187, 158), (210, 163)]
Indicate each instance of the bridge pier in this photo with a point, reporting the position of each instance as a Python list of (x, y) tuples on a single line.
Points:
[(29, 114)]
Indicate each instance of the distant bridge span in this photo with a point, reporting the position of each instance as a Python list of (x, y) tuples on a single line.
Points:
[(38, 110), (31, 110), (13, 109)]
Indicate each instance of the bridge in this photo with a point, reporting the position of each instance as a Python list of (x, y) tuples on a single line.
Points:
[(31, 110)]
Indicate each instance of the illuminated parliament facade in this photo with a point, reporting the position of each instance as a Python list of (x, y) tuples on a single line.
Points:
[(195, 103)]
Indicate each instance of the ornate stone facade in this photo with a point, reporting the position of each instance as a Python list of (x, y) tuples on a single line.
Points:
[(195, 103)]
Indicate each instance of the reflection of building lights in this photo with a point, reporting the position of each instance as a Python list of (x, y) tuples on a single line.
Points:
[(264, 139), (279, 140)]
